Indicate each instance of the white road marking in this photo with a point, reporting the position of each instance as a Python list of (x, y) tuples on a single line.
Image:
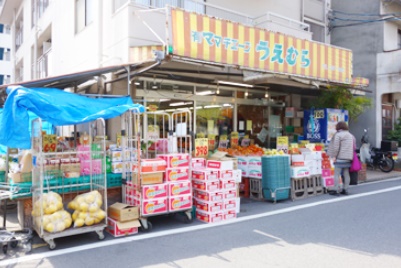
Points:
[(187, 229)]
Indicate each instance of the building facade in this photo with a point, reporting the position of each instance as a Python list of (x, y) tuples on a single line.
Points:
[(372, 29), (274, 54)]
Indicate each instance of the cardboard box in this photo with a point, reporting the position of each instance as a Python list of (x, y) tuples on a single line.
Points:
[(243, 165), (298, 172), (208, 196), (229, 204), (179, 188), (123, 212), (154, 206), (237, 175), (198, 163), (220, 164), (226, 174), (176, 203), (230, 214), (117, 229), (227, 184), (150, 178), (205, 174), (209, 217), (230, 194), (20, 177), (177, 174), (328, 182), (153, 191), (210, 186), (207, 206), (176, 160)]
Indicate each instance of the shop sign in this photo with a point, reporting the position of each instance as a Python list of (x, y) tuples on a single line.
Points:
[(215, 40), (282, 144), (245, 142)]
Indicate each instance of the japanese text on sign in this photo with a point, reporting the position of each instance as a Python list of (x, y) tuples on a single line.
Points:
[(282, 144), (290, 56)]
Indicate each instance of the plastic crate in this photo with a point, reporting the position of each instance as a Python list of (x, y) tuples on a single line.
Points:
[(298, 188), (114, 180), (2, 176), (276, 194), (255, 191), (276, 181), (317, 184)]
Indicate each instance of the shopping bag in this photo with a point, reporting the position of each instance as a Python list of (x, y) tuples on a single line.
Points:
[(355, 164)]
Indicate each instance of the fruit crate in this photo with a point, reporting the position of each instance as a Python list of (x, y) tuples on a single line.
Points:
[(255, 191), (298, 188), (114, 180)]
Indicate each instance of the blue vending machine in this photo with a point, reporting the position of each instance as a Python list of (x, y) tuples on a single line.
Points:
[(320, 124)]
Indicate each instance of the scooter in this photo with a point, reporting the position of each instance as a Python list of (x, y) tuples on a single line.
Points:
[(374, 157)]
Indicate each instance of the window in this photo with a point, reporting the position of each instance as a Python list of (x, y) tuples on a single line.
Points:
[(83, 14), (318, 31), (38, 8)]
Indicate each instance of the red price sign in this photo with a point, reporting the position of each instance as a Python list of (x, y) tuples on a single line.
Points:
[(234, 143), (201, 147)]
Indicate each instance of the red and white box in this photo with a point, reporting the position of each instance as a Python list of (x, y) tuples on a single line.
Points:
[(117, 229), (222, 165), (226, 174), (210, 186), (230, 194), (230, 204), (328, 182), (209, 217), (176, 203), (227, 184), (179, 188), (198, 163), (237, 175), (208, 196), (243, 165), (154, 191), (154, 206), (153, 165), (176, 160), (177, 174), (205, 174), (209, 206), (230, 214)]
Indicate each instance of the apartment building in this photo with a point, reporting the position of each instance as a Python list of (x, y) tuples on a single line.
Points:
[(372, 29), (5, 54), (228, 54)]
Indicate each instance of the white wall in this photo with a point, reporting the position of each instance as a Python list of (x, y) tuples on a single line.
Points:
[(390, 37)]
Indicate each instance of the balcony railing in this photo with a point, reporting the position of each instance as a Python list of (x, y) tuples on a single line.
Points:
[(19, 38), (42, 66)]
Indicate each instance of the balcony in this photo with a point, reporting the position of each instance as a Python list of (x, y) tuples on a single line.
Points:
[(43, 65)]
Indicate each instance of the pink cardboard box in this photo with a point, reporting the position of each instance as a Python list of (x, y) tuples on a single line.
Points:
[(230, 204), (326, 172), (227, 184), (177, 203), (209, 217), (177, 174), (328, 182), (230, 214), (154, 206), (96, 166), (230, 194), (205, 174), (152, 191), (179, 188), (210, 186), (176, 160), (198, 163), (226, 174), (209, 206), (117, 229), (223, 165), (208, 196)]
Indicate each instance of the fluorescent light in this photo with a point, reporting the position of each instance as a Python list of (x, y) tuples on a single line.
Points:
[(154, 86), (199, 107), (179, 103), (203, 93), (235, 84), (212, 106), (163, 100), (246, 93), (137, 83), (226, 105)]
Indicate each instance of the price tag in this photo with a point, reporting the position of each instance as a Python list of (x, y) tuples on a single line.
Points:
[(245, 142), (212, 144), (223, 144), (49, 143), (319, 114), (201, 147), (282, 144)]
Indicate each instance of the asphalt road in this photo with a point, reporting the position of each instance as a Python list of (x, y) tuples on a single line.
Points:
[(359, 230)]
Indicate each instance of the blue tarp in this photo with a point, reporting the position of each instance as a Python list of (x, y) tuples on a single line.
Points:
[(55, 106)]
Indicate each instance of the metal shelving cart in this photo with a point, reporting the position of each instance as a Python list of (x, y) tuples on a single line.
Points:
[(148, 136), (46, 179)]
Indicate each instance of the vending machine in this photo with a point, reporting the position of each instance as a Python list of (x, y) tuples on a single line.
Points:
[(320, 124)]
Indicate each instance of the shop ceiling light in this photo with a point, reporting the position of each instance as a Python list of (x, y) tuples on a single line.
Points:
[(137, 83), (154, 86), (212, 106), (234, 84), (164, 100), (179, 103), (203, 93), (226, 105), (246, 93)]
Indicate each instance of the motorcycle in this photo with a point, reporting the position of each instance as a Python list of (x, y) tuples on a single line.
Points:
[(374, 157)]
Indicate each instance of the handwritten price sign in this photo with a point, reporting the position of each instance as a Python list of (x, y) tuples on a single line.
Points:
[(201, 147), (234, 142), (282, 144)]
